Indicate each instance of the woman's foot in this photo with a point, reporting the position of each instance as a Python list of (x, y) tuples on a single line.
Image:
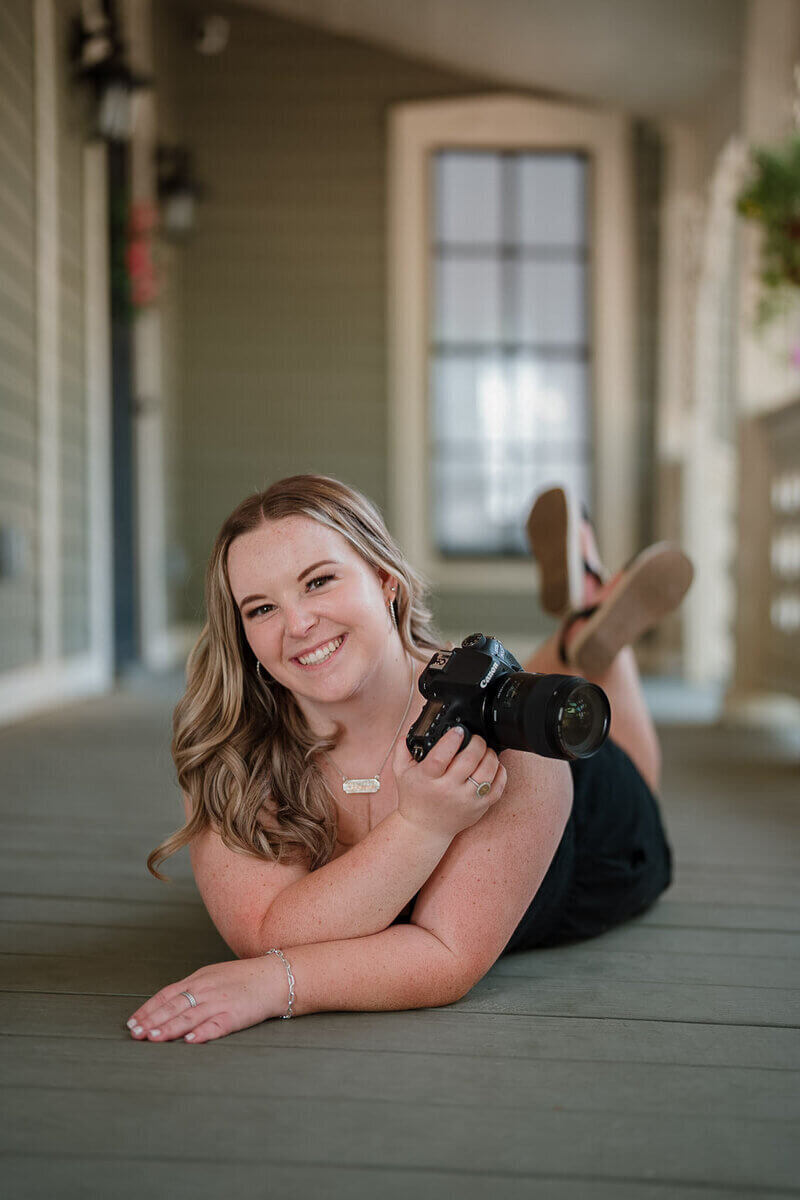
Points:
[(625, 607), (564, 546)]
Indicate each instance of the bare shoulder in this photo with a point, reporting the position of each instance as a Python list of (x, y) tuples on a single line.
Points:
[(530, 774)]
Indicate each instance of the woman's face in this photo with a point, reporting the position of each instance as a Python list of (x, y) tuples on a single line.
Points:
[(302, 590)]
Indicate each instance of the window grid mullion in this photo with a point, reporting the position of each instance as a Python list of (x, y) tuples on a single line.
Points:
[(521, 456)]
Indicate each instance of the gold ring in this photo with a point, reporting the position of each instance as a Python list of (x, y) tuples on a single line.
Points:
[(482, 789)]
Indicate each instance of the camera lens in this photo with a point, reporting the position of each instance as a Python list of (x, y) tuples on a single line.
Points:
[(557, 716), (583, 721)]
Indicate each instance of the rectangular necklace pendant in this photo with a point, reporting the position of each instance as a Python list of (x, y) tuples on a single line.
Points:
[(361, 785)]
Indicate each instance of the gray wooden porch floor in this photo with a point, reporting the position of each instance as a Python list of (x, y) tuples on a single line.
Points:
[(660, 1060)]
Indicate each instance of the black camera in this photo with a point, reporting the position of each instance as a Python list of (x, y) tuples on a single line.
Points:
[(482, 687)]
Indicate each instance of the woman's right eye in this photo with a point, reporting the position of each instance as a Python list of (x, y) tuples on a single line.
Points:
[(260, 611)]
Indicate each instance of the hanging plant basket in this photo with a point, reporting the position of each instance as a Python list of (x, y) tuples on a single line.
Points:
[(772, 200)]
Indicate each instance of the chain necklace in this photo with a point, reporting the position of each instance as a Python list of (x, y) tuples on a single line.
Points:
[(373, 783)]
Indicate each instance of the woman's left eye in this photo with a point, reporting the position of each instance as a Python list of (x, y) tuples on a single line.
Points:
[(320, 579)]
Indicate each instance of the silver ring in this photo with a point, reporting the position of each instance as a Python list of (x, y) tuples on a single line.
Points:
[(482, 789), (190, 998)]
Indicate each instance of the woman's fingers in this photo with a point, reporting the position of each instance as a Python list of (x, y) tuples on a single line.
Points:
[(165, 1004), (200, 1024), (213, 1028), (438, 759), (188, 1023), (476, 760), (499, 782), (142, 1014)]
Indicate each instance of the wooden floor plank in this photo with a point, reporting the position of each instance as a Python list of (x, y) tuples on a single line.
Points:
[(635, 935), (585, 962), (408, 1077), (105, 912), (440, 1031), (119, 974), (671, 913), (699, 890), (151, 1122), (32, 1177), (636, 1001), (161, 943), (128, 881)]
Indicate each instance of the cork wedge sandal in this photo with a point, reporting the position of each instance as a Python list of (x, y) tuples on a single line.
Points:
[(651, 586), (553, 529)]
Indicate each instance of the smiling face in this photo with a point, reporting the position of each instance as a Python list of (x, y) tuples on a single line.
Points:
[(302, 590)]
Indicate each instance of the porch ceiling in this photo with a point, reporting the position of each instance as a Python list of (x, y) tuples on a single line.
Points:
[(646, 56)]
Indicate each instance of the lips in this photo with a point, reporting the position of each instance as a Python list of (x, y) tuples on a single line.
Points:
[(323, 662)]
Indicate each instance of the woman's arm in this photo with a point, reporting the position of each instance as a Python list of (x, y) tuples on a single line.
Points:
[(480, 890), (401, 967), (357, 894), (362, 892)]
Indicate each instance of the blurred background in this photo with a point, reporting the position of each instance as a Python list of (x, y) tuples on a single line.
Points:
[(449, 251)]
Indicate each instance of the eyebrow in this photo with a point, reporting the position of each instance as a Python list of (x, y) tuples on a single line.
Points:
[(325, 562)]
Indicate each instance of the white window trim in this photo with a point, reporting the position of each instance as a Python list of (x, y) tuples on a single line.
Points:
[(416, 130), (97, 351), (47, 328)]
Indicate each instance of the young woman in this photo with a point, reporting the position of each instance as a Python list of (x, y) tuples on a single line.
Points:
[(342, 873)]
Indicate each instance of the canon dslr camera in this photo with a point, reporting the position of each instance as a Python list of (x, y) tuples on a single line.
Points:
[(482, 687)]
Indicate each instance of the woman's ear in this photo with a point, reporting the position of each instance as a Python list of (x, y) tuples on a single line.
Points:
[(390, 588)]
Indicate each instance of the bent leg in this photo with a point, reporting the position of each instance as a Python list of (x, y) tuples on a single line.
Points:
[(631, 726)]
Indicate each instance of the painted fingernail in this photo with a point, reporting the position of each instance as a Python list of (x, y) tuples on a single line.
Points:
[(155, 1033), (189, 1037), (131, 1023)]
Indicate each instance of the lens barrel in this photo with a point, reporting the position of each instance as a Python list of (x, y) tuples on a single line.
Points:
[(557, 716)]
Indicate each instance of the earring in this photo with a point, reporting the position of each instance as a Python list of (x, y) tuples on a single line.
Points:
[(258, 671), (392, 613)]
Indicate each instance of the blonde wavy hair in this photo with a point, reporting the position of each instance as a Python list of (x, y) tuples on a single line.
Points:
[(244, 753)]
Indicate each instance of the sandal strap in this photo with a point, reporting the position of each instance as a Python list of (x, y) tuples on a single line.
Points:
[(589, 569), (569, 621)]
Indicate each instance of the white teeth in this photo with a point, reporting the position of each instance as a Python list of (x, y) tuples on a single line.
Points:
[(320, 655)]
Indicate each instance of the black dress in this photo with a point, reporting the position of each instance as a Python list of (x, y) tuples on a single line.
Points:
[(613, 860)]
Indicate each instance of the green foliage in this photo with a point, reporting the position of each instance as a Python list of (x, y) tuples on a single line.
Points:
[(772, 199)]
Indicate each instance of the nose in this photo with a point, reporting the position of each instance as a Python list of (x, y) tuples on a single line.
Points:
[(299, 620)]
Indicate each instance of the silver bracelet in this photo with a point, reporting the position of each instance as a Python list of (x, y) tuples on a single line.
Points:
[(281, 955)]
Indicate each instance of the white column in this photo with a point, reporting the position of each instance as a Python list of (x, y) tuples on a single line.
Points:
[(47, 328), (97, 350), (148, 379)]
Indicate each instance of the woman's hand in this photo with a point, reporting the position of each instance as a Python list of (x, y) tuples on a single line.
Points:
[(230, 996), (437, 794)]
